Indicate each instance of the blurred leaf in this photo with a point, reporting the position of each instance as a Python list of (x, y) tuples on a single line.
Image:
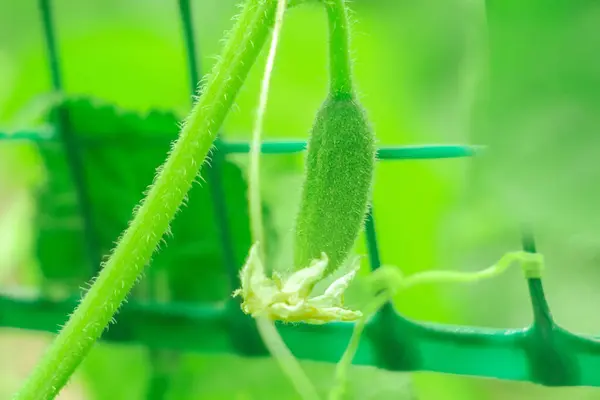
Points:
[(35, 111), (115, 62), (120, 152), (541, 112), (20, 172), (115, 372), (14, 232), (210, 377)]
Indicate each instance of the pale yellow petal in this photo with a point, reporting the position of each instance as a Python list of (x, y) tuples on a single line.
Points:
[(289, 300), (337, 287), (249, 271), (302, 280)]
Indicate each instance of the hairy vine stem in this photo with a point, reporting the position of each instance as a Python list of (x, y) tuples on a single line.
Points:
[(152, 218)]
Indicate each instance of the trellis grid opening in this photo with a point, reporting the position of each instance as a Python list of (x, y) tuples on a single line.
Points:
[(543, 353)]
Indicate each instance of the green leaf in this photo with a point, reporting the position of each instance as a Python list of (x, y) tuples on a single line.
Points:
[(120, 152)]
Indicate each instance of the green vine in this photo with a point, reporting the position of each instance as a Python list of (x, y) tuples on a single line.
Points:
[(164, 197), (266, 328), (388, 280)]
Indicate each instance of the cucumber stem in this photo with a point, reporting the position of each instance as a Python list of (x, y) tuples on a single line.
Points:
[(340, 66)]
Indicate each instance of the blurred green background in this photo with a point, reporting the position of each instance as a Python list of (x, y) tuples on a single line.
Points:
[(422, 73)]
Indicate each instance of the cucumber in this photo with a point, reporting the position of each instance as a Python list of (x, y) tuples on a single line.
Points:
[(338, 179)]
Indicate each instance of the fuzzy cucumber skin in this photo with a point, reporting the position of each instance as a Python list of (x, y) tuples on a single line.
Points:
[(338, 180)]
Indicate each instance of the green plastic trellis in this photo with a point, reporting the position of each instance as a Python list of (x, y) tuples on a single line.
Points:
[(542, 353)]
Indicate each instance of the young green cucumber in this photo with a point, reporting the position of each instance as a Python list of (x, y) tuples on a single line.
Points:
[(338, 180)]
